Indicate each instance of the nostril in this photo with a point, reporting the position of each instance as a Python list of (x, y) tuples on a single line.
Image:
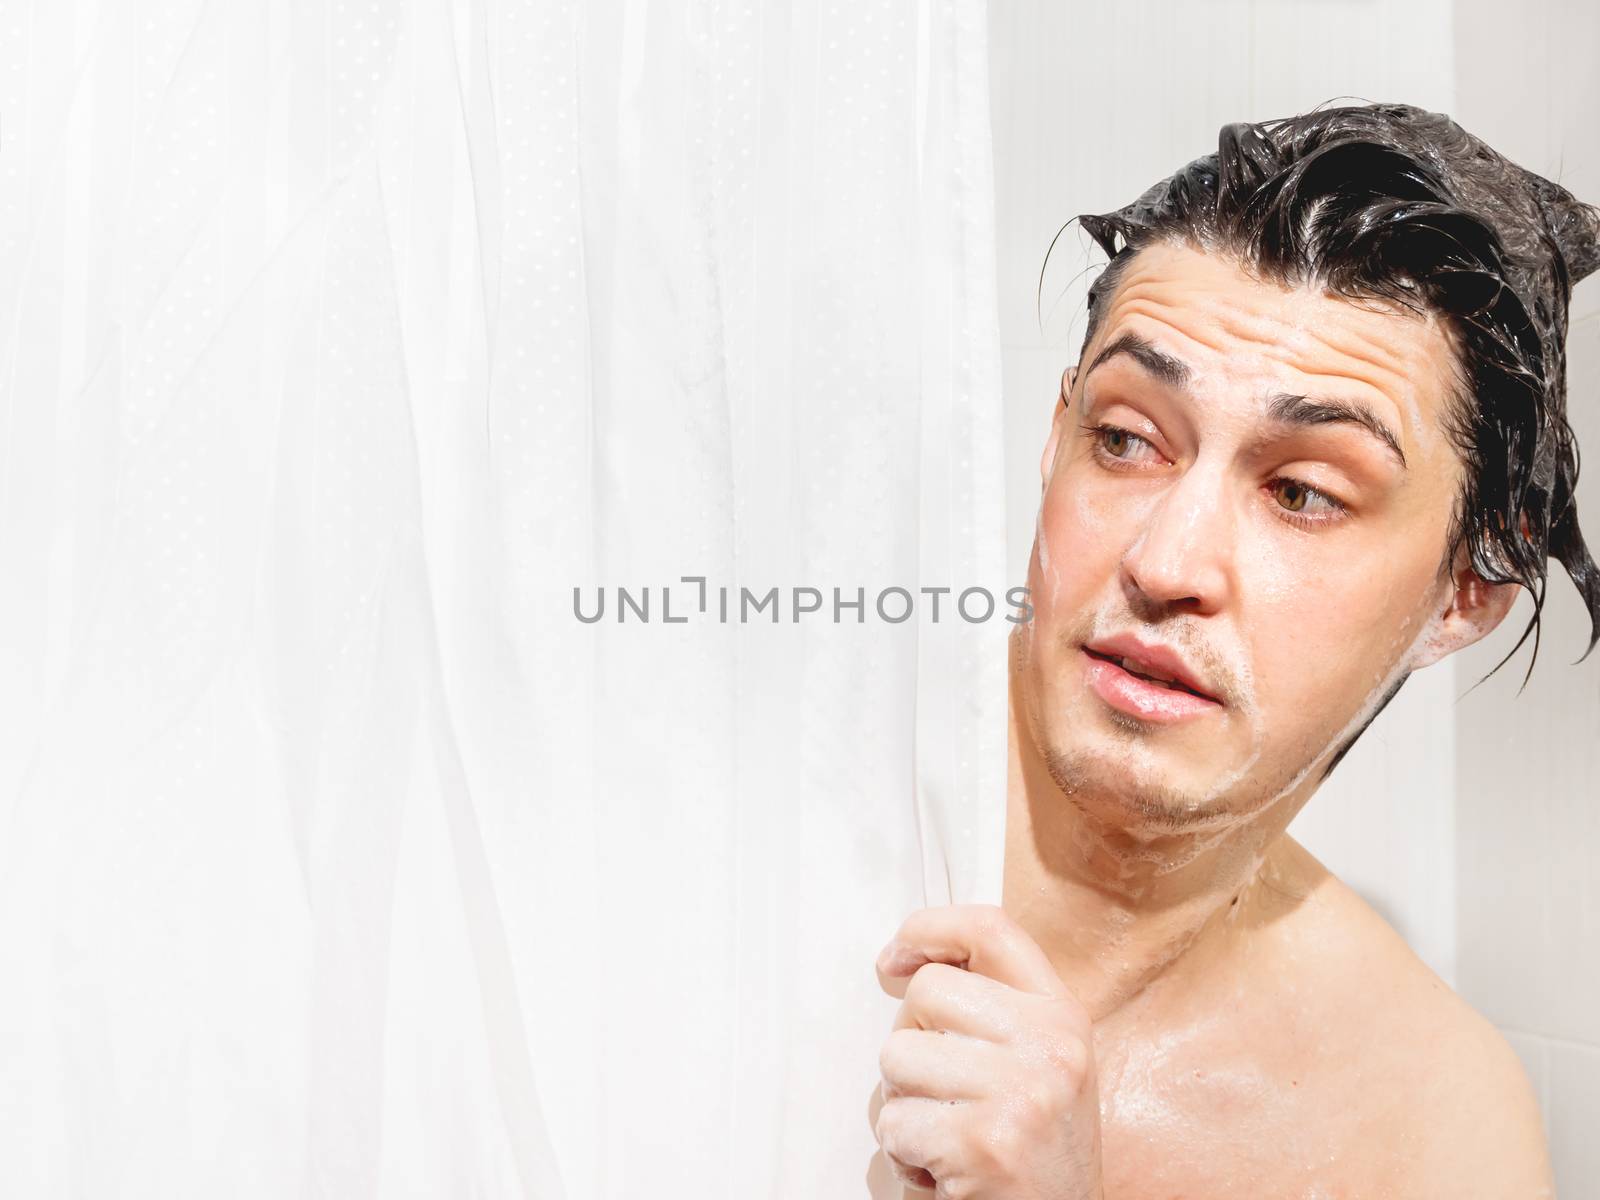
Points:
[(1166, 587), (1167, 573)]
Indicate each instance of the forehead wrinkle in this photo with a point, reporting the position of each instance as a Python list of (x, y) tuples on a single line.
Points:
[(1369, 361), (1389, 358)]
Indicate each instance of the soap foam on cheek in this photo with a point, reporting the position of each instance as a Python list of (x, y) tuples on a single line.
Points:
[(1375, 697), (1041, 554), (1086, 518), (1142, 761), (1249, 712), (1203, 842)]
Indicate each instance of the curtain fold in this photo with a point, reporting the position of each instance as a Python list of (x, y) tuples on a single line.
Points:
[(349, 346)]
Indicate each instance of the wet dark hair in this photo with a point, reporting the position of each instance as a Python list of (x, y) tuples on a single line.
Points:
[(1393, 203)]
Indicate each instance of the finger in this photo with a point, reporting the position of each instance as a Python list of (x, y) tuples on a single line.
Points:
[(978, 937), (911, 1177), (938, 1066), (911, 1130), (918, 1179), (942, 997)]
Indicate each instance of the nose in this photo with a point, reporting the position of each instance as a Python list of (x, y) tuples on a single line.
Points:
[(1183, 558)]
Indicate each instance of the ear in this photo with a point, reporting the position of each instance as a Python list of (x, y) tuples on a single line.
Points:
[(1057, 424), (1473, 610)]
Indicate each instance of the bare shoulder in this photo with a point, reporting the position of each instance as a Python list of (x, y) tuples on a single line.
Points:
[(1447, 1108)]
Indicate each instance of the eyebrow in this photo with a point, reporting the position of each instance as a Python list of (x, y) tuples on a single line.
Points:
[(1285, 408), (1158, 362), (1303, 410)]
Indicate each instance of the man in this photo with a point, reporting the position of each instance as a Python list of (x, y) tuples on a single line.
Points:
[(1315, 440)]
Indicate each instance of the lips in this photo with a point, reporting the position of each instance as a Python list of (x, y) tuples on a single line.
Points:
[(1147, 681), (1140, 670), (1153, 663)]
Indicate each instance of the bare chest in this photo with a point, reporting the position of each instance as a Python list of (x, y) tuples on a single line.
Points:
[(1214, 1113)]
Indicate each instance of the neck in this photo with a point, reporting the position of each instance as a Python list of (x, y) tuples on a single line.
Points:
[(1114, 906)]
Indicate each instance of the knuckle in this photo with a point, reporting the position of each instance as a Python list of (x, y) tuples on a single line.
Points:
[(1043, 1100), (992, 1147), (1068, 1054), (1012, 1145), (989, 918), (892, 1054), (1064, 1036), (887, 1127), (1072, 1015), (917, 985), (927, 983), (904, 1172), (919, 918), (1033, 1107)]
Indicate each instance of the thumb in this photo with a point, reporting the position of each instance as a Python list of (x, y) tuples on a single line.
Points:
[(980, 938)]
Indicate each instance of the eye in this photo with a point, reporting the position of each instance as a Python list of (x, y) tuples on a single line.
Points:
[(1113, 441), (1308, 505)]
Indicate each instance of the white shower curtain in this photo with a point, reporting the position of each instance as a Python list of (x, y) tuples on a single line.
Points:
[(341, 343)]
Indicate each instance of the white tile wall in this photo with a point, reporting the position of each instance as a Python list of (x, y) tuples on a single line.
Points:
[(1574, 1132), (1528, 804)]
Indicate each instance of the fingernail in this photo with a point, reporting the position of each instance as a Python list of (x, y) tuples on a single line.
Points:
[(898, 959)]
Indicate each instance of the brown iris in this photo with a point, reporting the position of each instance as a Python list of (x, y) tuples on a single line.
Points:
[(1292, 496)]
